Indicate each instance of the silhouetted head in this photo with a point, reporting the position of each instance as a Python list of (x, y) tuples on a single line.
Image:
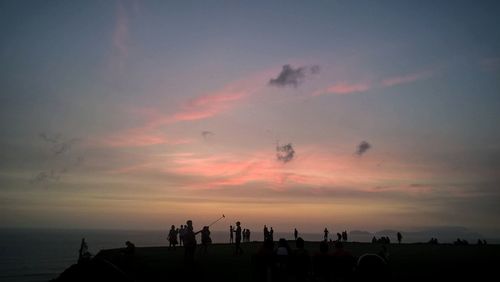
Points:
[(238, 223), (323, 247), (282, 243), (172, 227), (299, 243), (189, 223), (372, 266)]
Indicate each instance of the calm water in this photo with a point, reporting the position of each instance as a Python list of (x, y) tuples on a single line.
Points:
[(40, 255)]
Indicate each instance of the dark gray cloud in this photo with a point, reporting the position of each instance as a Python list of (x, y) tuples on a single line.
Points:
[(58, 160), (290, 76), (363, 147), (58, 145), (45, 176), (315, 69), (50, 138), (206, 134), (64, 146), (285, 153)]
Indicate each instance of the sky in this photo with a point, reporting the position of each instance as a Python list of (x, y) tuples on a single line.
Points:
[(349, 115)]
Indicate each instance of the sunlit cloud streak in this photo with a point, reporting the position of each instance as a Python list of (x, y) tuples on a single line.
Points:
[(344, 88), (202, 107), (408, 78), (120, 36)]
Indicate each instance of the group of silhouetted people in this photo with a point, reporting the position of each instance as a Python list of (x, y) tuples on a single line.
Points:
[(381, 240), (282, 263), (268, 233)]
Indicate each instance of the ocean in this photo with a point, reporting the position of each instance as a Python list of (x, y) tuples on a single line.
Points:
[(43, 254)]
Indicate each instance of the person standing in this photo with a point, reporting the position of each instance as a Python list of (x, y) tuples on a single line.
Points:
[(231, 234), (189, 242), (325, 236), (238, 249), (181, 235), (295, 234), (172, 237)]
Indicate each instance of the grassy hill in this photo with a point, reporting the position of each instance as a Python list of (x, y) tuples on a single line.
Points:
[(406, 262)]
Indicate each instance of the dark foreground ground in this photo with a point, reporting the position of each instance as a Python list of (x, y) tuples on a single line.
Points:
[(406, 262)]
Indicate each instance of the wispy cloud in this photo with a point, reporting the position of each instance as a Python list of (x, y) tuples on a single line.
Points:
[(490, 64), (342, 88), (202, 107), (60, 160), (406, 78)]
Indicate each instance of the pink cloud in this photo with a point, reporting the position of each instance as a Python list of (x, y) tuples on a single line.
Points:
[(490, 64), (342, 88), (120, 33), (311, 170), (137, 138), (403, 79), (202, 107)]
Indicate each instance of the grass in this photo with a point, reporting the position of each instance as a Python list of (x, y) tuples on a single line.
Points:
[(407, 262)]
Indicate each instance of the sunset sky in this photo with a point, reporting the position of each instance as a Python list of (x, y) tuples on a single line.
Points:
[(142, 114)]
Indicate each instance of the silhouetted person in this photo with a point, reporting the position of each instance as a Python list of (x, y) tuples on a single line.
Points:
[(182, 231), (295, 234), (248, 235), (231, 234), (384, 253), (325, 236), (344, 236), (266, 233), (205, 239), (400, 237), (83, 252), (301, 262), (263, 262), (283, 248), (238, 250), (339, 237), (189, 243), (374, 240), (322, 263), (172, 237), (271, 234), (281, 259), (130, 249), (343, 263)]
